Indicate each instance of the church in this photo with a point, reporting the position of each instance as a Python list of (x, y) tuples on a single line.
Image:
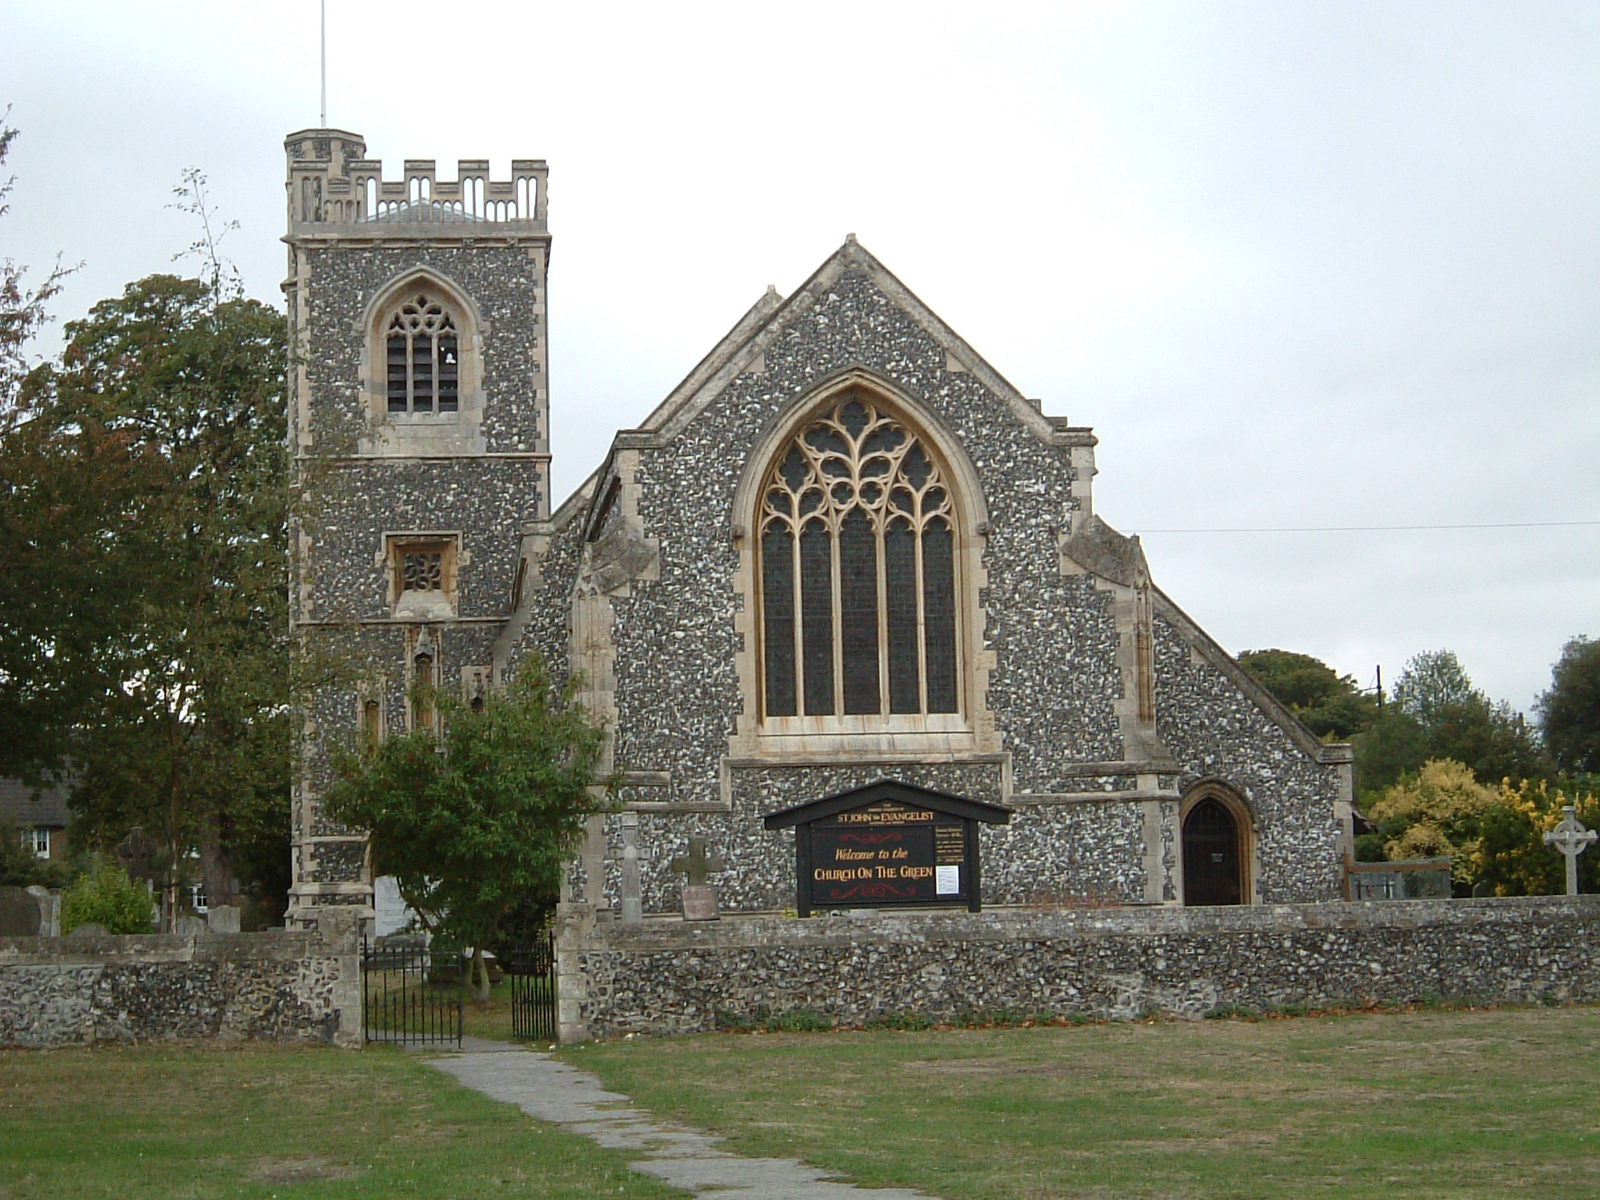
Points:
[(843, 556)]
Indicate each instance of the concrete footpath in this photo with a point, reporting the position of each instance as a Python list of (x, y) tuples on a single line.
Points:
[(550, 1090)]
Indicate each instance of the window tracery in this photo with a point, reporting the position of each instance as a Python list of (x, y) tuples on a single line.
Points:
[(856, 531), (423, 355)]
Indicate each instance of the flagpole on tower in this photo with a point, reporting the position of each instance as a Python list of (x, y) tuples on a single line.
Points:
[(324, 44)]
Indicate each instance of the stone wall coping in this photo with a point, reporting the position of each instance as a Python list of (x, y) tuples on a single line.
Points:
[(1014, 924), (276, 945)]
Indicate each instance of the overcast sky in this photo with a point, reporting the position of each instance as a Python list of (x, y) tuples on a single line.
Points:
[(1300, 263)]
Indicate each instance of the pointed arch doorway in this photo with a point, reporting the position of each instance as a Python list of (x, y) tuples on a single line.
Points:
[(1216, 848)]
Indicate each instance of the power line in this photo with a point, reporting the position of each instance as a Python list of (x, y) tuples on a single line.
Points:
[(1378, 528)]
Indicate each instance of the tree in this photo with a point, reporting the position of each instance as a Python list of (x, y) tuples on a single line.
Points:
[(1569, 713), (1437, 811), (143, 627), (22, 309), (1439, 714), (1331, 705), (474, 821), (1431, 683), (1513, 858)]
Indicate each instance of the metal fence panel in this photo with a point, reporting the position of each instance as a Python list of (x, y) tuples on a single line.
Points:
[(531, 968), (411, 993)]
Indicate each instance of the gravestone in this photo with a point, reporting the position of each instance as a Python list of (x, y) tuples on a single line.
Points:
[(699, 897), (90, 929), (222, 918), (49, 910), (1572, 839), (189, 924), (19, 913), (137, 854)]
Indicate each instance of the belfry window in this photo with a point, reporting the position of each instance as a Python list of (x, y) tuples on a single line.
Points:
[(424, 358), (857, 571)]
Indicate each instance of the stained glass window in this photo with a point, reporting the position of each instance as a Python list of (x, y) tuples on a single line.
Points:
[(857, 545)]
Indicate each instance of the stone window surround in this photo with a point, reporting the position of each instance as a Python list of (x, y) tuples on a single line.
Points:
[(943, 736), (434, 604), (372, 711), (1244, 818), (422, 433), (860, 487), (420, 639)]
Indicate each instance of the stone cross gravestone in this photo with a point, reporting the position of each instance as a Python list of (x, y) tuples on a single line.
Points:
[(19, 913), (137, 854), (1572, 839), (699, 897)]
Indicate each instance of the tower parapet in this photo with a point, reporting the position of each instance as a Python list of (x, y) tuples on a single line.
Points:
[(331, 182)]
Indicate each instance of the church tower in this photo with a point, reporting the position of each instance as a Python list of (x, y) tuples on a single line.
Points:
[(419, 423)]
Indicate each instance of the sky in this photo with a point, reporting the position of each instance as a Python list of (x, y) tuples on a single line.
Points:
[(1323, 275)]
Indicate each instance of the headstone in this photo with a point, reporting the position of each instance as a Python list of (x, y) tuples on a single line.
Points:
[(137, 854), (189, 924), (49, 910), (90, 929), (699, 897), (632, 900), (222, 918), (1572, 839), (19, 913)]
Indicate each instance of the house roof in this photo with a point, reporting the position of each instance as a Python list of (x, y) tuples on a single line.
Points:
[(27, 805)]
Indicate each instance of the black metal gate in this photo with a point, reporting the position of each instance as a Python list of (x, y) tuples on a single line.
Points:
[(531, 968), (411, 993)]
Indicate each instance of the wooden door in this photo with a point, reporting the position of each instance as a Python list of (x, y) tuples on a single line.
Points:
[(1213, 859)]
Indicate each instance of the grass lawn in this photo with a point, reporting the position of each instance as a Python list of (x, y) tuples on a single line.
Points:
[(203, 1122), (1464, 1105)]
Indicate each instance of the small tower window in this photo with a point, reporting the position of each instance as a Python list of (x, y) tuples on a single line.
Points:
[(422, 575), (371, 723), (424, 682), (424, 360), (422, 570)]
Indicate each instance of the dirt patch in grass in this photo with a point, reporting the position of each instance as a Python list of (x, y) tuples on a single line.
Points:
[(299, 1170)]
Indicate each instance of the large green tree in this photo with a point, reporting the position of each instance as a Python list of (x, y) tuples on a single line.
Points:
[(1569, 713), (1331, 705), (1438, 713), (479, 820), (143, 542)]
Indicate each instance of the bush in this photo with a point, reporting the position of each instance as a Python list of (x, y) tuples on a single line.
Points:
[(107, 897)]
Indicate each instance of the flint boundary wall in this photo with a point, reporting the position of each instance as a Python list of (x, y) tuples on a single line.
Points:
[(670, 976), (281, 986)]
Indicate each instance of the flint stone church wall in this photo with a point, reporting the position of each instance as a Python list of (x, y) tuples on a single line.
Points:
[(672, 977), (280, 986), (1052, 692)]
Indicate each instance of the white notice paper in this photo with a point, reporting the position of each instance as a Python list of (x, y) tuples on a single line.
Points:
[(947, 880)]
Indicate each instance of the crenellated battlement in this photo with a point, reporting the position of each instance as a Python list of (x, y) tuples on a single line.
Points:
[(331, 182)]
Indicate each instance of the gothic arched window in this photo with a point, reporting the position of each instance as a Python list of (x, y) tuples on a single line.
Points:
[(857, 536), (423, 356)]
